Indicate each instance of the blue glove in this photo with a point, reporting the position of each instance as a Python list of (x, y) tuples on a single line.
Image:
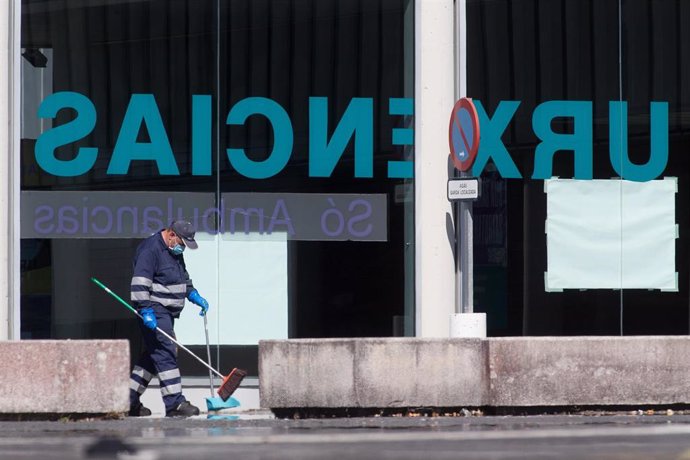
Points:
[(194, 297), (149, 317)]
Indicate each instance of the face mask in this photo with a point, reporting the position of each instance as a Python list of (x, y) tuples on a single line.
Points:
[(177, 249)]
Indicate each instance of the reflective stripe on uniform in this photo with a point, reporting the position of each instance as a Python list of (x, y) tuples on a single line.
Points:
[(143, 373), (167, 302), (136, 386), (140, 295), (171, 289), (169, 375), (141, 281), (171, 389)]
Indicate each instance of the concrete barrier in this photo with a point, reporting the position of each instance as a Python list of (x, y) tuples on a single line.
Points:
[(395, 372), (64, 377), (498, 372), (601, 371)]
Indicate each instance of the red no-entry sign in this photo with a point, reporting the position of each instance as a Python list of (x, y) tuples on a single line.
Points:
[(463, 134)]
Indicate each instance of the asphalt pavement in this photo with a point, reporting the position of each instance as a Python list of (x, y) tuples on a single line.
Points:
[(259, 435)]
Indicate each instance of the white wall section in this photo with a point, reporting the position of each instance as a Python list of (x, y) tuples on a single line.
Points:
[(434, 98), (9, 257)]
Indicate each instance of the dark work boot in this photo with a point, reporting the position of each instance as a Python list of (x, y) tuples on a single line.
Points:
[(138, 410), (185, 409)]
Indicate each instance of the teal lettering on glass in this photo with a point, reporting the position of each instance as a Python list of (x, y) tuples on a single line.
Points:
[(401, 106), (78, 128), (282, 137), (143, 110), (579, 141), (202, 131), (491, 146), (618, 142), (398, 169), (357, 122)]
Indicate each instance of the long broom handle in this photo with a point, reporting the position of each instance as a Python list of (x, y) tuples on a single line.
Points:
[(208, 354), (106, 289)]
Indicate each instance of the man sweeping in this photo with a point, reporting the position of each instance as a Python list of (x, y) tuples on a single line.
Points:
[(159, 287)]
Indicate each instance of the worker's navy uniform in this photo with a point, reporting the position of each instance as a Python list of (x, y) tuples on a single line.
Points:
[(161, 282)]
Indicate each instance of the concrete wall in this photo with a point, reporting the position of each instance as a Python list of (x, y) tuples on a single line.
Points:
[(372, 372), (64, 377), (519, 371), (564, 371)]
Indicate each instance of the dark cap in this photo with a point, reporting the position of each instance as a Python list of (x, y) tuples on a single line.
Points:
[(185, 230)]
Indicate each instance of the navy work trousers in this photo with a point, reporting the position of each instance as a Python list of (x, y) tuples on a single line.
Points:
[(159, 358)]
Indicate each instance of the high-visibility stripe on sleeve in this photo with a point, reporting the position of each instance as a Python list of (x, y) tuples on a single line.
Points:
[(140, 287), (141, 281), (140, 295)]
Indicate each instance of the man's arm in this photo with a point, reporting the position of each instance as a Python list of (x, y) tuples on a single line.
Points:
[(193, 295), (142, 279), (188, 280)]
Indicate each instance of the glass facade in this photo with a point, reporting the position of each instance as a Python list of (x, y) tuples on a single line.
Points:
[(279, 128), (283, 130), (599, 54)]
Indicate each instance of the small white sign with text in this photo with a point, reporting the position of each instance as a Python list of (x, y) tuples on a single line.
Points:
[(466, 188)]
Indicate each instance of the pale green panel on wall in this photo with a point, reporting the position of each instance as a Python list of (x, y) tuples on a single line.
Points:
[(244, 279), (611, 234)]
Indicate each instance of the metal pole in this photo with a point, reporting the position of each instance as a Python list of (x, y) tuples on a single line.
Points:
[(464, 272)]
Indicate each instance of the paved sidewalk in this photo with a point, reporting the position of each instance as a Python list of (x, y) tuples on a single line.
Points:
[(258, 435)]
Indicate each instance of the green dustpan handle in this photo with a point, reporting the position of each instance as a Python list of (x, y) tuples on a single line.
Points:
[(106, 289)]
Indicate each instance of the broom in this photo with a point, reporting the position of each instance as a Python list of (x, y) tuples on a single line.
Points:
[(230, 382), (215, 403)]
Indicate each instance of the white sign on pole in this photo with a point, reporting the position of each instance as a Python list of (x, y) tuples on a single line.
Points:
[(463, 188)]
